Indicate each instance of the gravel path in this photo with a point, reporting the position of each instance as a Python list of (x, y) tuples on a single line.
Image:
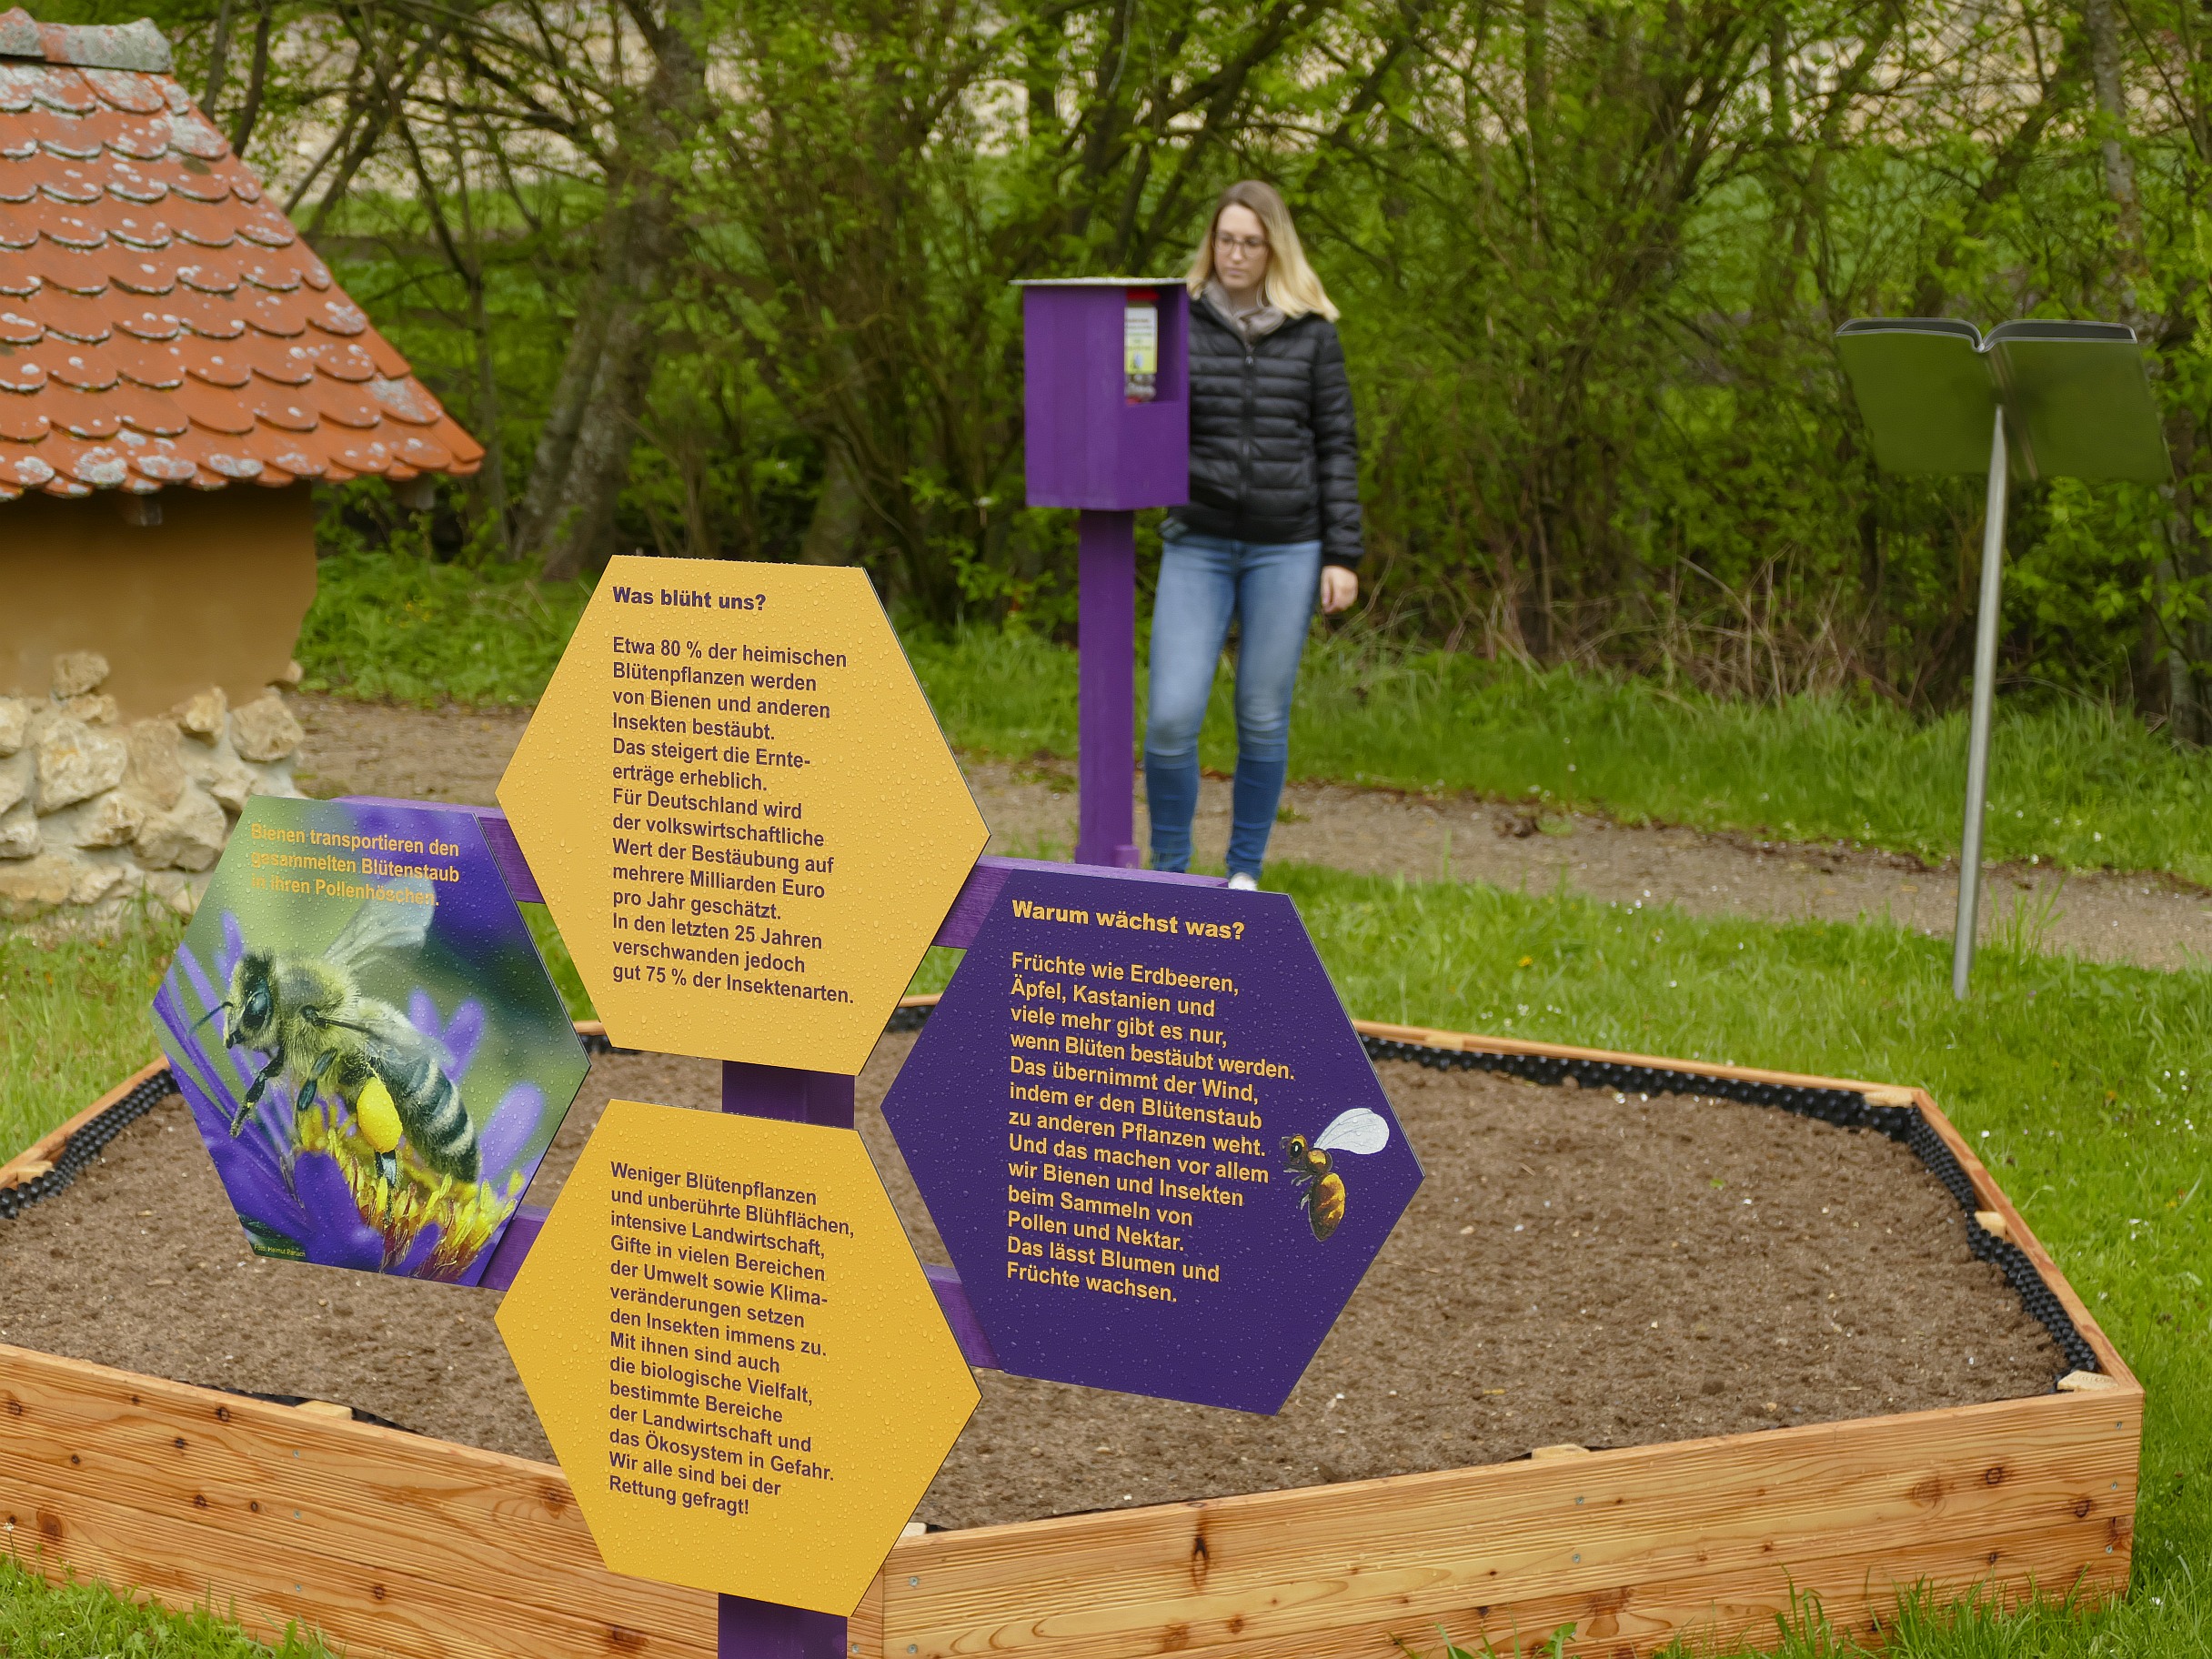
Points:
[(2156, 921)]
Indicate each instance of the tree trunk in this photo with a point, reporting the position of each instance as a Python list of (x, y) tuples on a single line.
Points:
[(581, 497), (2176, 581), (1536, 96), (579, 370), (218, 60), (582, 522), (2119, 167), (492, 480), (833, 533), (2178, 588), (258, 80)]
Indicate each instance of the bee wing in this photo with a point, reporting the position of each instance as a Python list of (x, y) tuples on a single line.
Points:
[(395, 1039), (1358, 1130), (384, 1022), (378, 927)]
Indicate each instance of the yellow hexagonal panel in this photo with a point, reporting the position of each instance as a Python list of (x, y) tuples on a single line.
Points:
[(735, 1354), (740, 811)]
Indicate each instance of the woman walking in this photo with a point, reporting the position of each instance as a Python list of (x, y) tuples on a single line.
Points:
[(1271, 528)]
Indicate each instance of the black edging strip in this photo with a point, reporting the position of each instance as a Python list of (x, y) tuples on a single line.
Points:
[(246, 1393), (1844, 1108), (87, 1143)]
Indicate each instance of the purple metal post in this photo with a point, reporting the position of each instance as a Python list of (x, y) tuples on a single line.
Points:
[(747, 1629), (1092, 444), (791, 1095), (1106, 690)]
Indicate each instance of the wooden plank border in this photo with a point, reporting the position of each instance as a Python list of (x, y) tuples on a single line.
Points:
[(1634, 1545), (389, 1542), (403, 1545)]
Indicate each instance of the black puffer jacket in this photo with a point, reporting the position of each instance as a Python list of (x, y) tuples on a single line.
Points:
[(1274, 453)]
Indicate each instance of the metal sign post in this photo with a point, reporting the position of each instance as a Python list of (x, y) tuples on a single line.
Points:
[(2055, 401), (1984, 687)]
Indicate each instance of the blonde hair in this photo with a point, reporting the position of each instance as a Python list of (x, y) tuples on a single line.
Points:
[(1291, 287)]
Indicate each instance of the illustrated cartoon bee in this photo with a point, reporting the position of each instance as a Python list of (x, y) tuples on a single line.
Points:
[(1320, 1188), (324, 1035)]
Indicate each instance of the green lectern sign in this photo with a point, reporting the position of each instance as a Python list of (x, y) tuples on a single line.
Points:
[(2047, 401)]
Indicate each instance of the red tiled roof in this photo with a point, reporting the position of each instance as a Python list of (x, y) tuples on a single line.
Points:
[(160, 321)]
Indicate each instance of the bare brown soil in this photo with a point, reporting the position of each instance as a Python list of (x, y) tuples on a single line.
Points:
[(453, 754), (1579, 1266)]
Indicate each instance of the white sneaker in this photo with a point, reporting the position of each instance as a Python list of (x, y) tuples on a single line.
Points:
[(1242, 883)]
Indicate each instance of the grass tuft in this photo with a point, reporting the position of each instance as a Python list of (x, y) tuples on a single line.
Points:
[(76, 1015), (77, 1621)]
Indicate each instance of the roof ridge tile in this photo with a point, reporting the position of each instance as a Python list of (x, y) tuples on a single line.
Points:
[(111, 46)]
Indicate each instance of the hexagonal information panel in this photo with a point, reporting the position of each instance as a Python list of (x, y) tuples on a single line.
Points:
[(735, 1354), (367, 1038), (740, 811), (1151, 1139)]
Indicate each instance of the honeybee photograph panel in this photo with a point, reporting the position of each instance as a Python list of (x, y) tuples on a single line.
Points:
[(368, 1038)]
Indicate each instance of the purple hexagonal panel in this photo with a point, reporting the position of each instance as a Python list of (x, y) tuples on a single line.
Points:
[(1151, 1139)]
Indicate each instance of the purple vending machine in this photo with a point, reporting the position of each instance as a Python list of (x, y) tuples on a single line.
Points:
[(1106, 402)]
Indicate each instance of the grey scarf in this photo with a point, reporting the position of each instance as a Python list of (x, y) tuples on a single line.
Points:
[(1254, 324)]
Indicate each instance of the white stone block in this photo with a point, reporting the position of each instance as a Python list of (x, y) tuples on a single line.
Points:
[(76, 763)]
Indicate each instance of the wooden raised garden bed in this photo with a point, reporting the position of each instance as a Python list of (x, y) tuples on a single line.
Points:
[(397, 1543)]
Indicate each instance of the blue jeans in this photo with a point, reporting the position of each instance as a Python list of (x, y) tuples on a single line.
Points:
[(1205, 582)]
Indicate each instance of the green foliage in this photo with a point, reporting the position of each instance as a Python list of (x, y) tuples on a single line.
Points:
[(1590, 257), (88, 1621), (396, 625)]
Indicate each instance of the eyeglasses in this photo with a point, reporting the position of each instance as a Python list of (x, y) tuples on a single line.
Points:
[(1228, 244)]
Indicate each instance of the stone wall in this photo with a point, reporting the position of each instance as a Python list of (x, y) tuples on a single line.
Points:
[(96, 813)]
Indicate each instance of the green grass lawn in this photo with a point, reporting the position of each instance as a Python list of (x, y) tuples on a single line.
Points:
[(2076, 1082), (407, 631), (2077, 784), (73, 1621), (73, 1020)]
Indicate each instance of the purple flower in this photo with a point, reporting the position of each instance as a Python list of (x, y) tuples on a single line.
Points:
[(508, 1136)]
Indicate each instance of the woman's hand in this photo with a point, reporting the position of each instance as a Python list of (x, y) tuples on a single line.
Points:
[(1339, 587)]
